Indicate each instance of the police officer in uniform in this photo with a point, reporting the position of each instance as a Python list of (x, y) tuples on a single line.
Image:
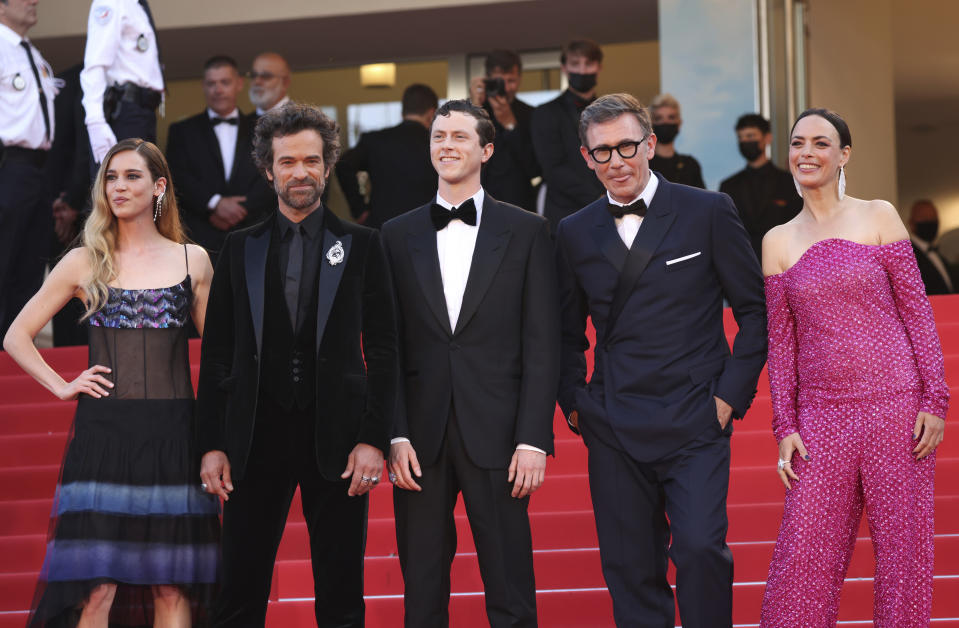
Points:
[(27, 90), (765, 196), (122, 78)]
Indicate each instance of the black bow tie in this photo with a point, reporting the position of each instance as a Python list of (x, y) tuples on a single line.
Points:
[(442, 216), (638, 208), (216, 121)]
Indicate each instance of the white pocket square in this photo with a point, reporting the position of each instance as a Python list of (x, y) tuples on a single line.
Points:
[(670, 262)]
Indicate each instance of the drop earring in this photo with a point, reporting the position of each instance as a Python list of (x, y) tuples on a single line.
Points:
[(798, 188), (842, 182), (158, 209)]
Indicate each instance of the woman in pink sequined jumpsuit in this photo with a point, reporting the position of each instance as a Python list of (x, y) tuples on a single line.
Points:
[(858, 392)]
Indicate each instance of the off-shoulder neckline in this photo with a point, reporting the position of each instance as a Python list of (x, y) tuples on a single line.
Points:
[(841, 240)]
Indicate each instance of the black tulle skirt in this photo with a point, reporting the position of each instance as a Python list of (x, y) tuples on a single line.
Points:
[(129, 511)]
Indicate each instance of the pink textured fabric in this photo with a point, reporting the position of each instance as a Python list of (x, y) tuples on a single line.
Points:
[(853, 357)]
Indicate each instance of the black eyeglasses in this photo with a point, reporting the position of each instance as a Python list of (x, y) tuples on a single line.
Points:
[(626, 150)]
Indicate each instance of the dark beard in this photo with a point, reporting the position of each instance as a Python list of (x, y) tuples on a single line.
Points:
[(302, 201)]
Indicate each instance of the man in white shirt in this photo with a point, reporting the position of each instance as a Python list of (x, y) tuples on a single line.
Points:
[(122, 78), (218, 186), (479, 337), (27, 91), (269, 82)]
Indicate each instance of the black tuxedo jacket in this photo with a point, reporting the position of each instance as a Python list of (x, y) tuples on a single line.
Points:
[(401, 173), (193, 153), (570, 184), (499, 367), (508, 173), (661, 352), (931, 277), (355, 382), (68, 160)]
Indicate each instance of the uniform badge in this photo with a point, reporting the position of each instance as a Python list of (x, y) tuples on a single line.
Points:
[(143, 44), (101, 15), (19, 83), (336, 253)]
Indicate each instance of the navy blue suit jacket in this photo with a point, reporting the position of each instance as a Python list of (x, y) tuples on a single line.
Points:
[(661, 352)]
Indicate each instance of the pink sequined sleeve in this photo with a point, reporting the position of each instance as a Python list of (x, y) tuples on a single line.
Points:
[(916, 314), (783, 374)]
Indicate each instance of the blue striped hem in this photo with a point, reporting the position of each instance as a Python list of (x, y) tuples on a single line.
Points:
[(124, 499), (134, 563)]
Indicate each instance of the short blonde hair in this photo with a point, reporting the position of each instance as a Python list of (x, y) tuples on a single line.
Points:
[(665, 100)]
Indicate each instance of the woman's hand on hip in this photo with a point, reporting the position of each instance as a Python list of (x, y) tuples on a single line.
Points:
[(90, 382)]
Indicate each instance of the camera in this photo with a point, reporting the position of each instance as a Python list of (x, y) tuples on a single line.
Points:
[(494, 86)]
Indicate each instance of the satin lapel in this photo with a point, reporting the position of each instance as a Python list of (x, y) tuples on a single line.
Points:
[(491, 241), (330, 276), (607, 238), (254, 254), (213, 145), (651, 232), (243, 144), (421, 244)]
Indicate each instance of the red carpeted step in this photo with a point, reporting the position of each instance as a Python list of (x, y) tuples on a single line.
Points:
[(28, 482), (16, 591), (28, 516), (36, 418), (32, 449), (22, 553)]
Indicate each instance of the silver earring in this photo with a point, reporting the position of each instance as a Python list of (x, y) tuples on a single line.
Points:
[(158, 210), (842, 182), (798, 188)]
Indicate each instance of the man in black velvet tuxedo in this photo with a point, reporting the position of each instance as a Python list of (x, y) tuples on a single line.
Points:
[(297, 379), (397, 161), (478, 325), (218, 186), (656, 414), (569, 183)]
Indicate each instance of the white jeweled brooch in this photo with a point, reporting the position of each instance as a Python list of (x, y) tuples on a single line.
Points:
[(336, 253)]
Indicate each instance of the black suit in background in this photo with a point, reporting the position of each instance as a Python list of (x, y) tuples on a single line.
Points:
[(570, 184), (397, 160), (193, 152), (679, 168), (932, 278), (508, 173), (647, 415), (764, 197), (288, 405), (68, 173), (470, 396)]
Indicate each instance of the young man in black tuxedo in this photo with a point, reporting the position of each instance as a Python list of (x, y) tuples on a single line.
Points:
[(218, 187), (479, 335), (649, 263), (297, 379)]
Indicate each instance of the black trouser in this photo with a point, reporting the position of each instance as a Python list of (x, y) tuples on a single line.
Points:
[(26, 227), (631, 501), (282, 456), (131, 119), (426, 539)]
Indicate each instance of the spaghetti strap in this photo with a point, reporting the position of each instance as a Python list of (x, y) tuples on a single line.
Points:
[(186, 258)]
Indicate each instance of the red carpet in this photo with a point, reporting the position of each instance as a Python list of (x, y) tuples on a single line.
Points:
[(571, 591)]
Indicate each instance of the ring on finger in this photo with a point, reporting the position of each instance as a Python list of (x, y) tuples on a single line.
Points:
[(782, 464), (366, 480)]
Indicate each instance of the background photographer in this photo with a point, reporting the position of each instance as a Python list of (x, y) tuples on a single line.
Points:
[(508, 173)]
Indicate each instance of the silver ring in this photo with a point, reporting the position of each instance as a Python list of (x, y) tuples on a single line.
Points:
[(375, 479), (782, 464), (392, 477), (203, 485), (366, 480)]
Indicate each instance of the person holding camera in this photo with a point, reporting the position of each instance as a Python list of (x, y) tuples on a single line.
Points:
[(122, 78), (510, 170)]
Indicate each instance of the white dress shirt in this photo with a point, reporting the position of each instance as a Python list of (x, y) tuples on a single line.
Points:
[(628, 225), (112, 55), (454, 246), (226, 135), (21, 118), (936, 260)]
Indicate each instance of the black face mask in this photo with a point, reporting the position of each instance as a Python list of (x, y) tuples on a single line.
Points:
[(666, 133), (926, 230), (750, 150), (581, 83)]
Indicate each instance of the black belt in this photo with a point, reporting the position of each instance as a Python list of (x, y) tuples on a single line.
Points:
[(128, 92), (35, 156)]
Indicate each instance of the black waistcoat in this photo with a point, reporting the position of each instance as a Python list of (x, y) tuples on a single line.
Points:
[(288, 363)]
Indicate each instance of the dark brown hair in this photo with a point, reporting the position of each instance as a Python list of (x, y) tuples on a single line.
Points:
[(290, 119), (484, 126)]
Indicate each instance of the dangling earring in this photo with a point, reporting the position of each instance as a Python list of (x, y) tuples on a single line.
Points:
[(158, 210), (798, 188), (842, 182)]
